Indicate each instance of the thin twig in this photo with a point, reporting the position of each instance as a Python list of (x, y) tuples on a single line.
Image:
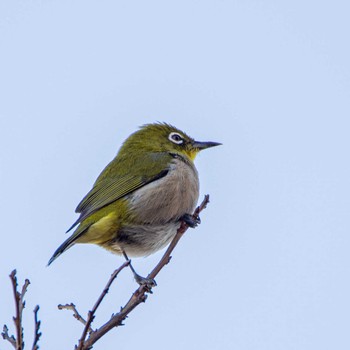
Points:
[(6, 336), (91, 314), (140, 295), (18, 342), (76, 314), (20, 305), (37, 333)]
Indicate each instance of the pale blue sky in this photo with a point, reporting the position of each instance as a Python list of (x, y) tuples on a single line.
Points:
[(268, 268)]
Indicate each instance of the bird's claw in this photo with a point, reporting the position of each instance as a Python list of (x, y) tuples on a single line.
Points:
[(145, 281), (191, 220)]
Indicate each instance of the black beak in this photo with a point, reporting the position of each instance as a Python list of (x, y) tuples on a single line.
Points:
[(203, 145)]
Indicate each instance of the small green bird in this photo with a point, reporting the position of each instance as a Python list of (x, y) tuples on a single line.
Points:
[(138, 201)]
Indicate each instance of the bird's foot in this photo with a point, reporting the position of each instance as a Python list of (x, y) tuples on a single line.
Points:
[(190, 220), (145, 281), (142, 281)]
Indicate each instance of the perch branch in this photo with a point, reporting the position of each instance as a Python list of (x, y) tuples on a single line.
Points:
[(91, 314), (139, 295)]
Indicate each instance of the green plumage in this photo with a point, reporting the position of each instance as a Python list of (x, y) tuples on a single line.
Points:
[(113, 184)]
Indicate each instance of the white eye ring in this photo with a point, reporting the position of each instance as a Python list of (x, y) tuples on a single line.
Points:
[(176, 138)]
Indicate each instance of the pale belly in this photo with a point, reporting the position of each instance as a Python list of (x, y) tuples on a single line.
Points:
[(144, 240)]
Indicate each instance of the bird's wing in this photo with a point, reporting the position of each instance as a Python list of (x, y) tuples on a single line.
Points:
[(108, 189)]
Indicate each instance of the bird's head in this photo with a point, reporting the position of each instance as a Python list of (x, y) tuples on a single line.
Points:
[(162, 137)]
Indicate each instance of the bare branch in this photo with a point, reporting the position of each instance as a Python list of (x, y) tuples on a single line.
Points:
[(18, 341), (91, 314), (20, 304), (139, 295), (6, 336), (76, 314), (37, 333)]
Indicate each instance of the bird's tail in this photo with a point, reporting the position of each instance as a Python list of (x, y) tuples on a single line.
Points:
[(62, 248), (69, 242)]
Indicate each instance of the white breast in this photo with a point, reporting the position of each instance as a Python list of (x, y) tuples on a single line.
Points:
[(167, 199)]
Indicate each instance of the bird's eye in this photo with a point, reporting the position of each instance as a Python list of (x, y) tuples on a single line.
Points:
[(176, 138)]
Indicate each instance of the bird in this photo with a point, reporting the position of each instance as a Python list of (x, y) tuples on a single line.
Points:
[(139, 200)]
